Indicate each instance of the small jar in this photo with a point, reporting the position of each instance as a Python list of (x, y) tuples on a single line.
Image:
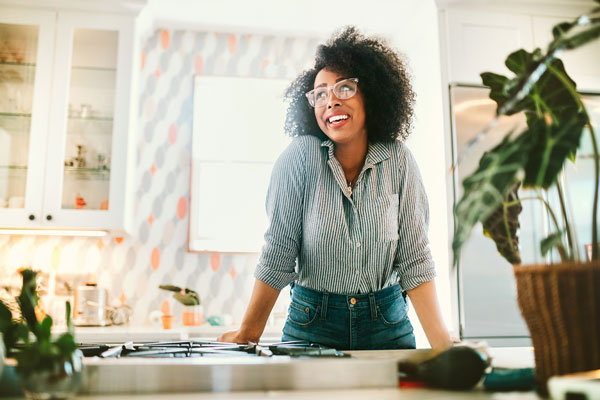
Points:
[(192, 315)]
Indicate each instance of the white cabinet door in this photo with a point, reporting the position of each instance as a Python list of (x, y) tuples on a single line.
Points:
[(26, 56), (89, 127), (480, 42), (581, 64)]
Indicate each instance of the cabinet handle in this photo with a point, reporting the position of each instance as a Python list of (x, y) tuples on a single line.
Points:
[(31, 217), (49, 217)]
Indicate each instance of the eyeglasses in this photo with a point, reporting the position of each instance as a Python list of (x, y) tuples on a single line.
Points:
[(343, 90)]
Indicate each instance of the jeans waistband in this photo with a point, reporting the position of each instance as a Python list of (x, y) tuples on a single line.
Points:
[(335, 300)]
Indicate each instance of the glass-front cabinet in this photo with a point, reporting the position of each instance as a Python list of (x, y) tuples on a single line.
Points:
[(65, 126)]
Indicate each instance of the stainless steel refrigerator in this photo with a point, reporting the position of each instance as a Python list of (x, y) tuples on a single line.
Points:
[(487, 306)]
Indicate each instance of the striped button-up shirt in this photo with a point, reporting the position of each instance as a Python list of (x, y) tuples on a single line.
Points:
[(324, 237)]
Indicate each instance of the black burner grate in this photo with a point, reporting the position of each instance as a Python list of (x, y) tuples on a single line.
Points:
[(207, 349)]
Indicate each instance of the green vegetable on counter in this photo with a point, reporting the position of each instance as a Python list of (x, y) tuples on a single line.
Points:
[(186, 296)]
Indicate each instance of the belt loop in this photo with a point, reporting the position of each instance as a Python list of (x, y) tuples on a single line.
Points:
[(373, 306), (324, 301)]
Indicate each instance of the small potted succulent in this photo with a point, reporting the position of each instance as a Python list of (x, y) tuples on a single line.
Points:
[(47, 368), (192, 310)]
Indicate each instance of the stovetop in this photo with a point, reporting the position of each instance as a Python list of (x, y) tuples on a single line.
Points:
[(194, 348), (206, 366)]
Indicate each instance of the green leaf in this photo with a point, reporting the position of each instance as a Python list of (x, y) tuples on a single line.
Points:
[(189, 299), (6, 319), (550, 147), (66, 344), (547, 95), (68, 317), (496, 83), (560, 29), (522, 61), (28, 299), (44, 329), (170, 288), (485, 189), (502, 226), (571, 35), (554, 240), (12, 331)]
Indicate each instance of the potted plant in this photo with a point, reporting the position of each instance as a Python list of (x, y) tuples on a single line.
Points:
[(192, 310), (47, 368), (560, 302)]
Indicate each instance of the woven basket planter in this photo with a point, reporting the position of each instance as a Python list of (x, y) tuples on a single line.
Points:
[(561, 306)]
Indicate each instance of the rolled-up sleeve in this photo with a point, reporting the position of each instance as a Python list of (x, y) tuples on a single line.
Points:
[(413, 260), (284, 203)]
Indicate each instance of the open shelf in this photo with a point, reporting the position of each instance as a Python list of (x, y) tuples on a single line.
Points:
[(100, 119), (13, 171), (15, 122), (97, 174), (17, 64)]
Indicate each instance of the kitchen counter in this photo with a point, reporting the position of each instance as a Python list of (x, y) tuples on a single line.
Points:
[(357, 394), (501, 357)]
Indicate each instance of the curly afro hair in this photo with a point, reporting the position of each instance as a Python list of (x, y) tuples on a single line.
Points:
[(383, 81)]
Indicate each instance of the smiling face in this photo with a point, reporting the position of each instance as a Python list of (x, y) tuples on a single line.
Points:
[(343, 121)]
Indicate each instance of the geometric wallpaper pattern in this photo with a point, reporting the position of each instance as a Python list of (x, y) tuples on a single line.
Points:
[(131, 267)]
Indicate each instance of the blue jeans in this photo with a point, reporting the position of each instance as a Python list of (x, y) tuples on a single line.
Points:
[(372, 321)]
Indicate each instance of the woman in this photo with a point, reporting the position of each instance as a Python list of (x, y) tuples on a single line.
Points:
[(347, 203)]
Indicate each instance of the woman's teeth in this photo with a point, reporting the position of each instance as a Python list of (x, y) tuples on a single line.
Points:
[(337, 118)]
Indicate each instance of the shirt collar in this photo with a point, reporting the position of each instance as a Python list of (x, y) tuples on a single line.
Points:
[(376, 152)]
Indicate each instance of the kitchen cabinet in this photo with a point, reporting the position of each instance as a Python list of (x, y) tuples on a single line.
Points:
[(480, 41), (66, 126)]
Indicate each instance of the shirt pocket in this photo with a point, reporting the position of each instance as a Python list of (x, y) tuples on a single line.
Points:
[(386, 217)]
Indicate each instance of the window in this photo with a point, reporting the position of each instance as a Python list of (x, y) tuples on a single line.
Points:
[(237, 136)]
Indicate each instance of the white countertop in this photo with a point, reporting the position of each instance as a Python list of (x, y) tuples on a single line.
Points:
[(504, 357), (356, 394)]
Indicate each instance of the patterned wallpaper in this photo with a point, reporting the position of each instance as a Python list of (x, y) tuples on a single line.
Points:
[(132, 267)]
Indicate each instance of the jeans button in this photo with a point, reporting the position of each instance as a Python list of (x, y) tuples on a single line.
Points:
[(353, 301)]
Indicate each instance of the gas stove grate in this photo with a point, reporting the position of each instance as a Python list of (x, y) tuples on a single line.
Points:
[(207, 349)]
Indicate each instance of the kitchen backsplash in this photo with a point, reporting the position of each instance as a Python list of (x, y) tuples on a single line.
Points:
[(132, 267)]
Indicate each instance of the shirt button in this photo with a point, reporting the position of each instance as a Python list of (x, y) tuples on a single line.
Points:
[(357, 244), (353, 301), (356, 272)]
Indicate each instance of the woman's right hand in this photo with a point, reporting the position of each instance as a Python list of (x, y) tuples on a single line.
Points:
[(236, 336), (253, 324)]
